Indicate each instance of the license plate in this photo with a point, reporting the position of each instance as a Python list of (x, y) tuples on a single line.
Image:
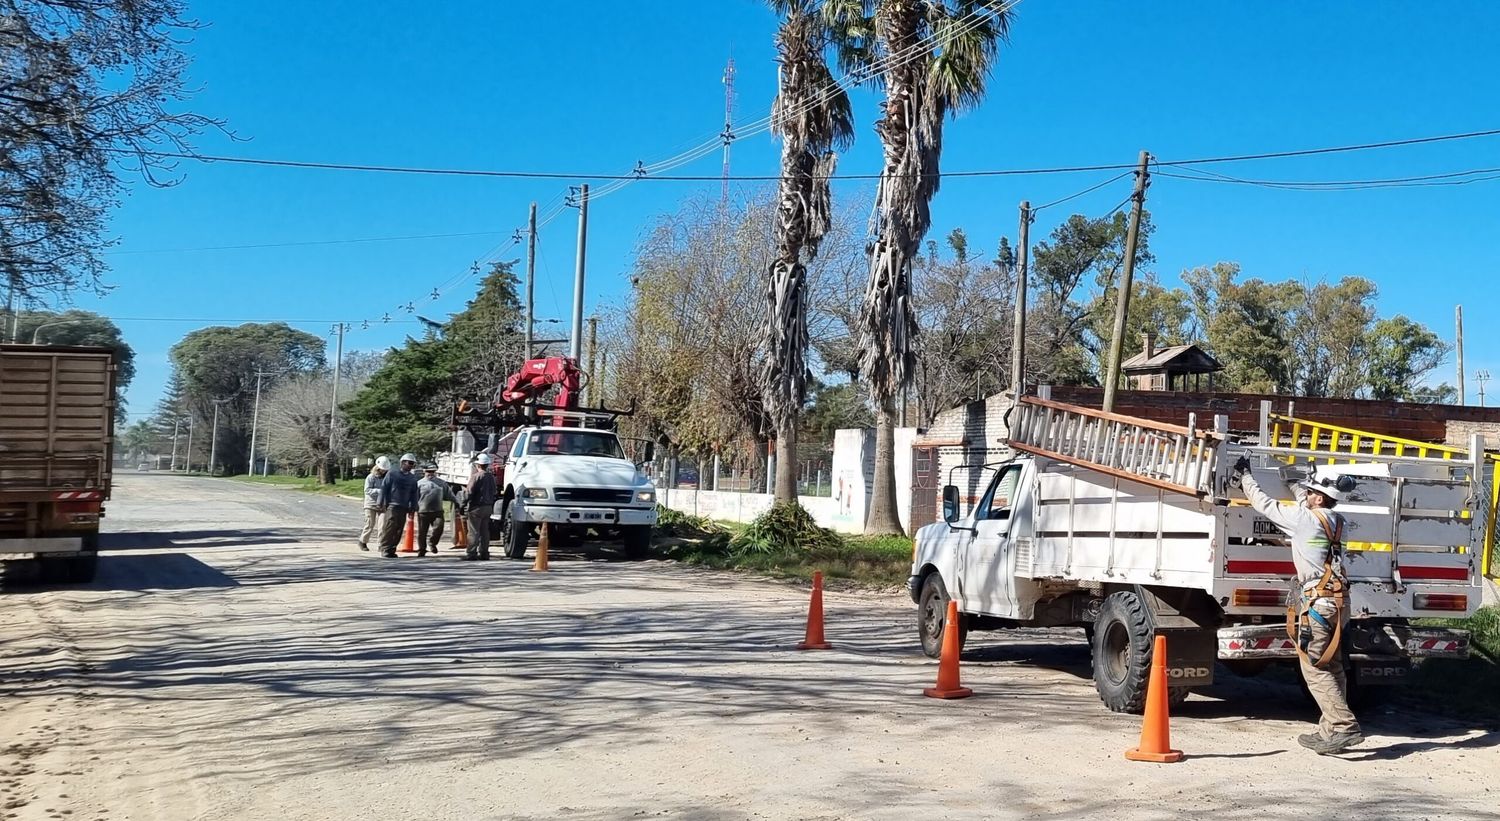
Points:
[(1261, 527), (593, 517)]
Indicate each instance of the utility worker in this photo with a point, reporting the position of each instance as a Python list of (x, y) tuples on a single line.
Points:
[(431, 493), (481, 496), (1316, 618), (398, 500), (372, 501)]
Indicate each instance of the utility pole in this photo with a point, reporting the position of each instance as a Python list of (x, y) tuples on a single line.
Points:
[(576, 346), (1018, 339), (188, 464), (213, 438), (255, 421), (1481, 376), (176, 426), (1122, 296), (603, 379), (589, 391), (10, 307), (530, 275), (333, 413), (1458, 318)]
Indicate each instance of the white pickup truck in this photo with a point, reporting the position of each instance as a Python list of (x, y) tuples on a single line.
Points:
[(576, 479), (1128, 528)]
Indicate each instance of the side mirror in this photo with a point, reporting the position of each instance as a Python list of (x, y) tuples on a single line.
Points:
[(950, 504)]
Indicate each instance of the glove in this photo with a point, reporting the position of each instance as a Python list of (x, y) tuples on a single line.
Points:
[(1242, 466)]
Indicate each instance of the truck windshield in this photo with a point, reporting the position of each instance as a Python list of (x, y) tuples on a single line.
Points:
[(575, 443)]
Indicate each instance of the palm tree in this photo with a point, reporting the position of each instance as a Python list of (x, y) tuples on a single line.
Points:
[(932, 58), (812, 117)]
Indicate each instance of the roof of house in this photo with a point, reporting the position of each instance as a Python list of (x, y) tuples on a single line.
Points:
[(1188, 356)]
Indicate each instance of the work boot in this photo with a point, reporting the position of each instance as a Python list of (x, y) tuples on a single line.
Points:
[(471, 557), (484, 557), (1327, 745), (364, 547)]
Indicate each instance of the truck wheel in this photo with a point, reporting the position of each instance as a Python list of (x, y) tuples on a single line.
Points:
[(81, 569), (932, 616), (517, 535), (1122, 648), (637, 539)]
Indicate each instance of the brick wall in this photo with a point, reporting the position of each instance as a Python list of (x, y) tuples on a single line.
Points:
[(1459, 431), (969, 435)]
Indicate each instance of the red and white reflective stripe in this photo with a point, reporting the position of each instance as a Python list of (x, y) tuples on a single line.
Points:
[(81, 495), (1440, 645), (1260, 644)]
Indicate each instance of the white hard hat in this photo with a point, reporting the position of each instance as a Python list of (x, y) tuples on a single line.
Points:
[(384, 463), (1334, 487), (409, 457), (483, 459)]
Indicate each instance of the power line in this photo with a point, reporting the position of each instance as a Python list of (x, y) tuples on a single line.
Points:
[(1006, 172), (1450, 178), (298, 244), (1088, 190)]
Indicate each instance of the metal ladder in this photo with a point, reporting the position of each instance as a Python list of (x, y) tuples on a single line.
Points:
[(1170, 457)]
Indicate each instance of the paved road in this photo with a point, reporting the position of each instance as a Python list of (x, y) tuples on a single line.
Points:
[(239, 658)]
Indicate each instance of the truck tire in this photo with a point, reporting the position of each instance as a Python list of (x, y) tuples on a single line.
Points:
[(517, 535), (637, 540), (1121, 648), (81, 569), (932, 616)]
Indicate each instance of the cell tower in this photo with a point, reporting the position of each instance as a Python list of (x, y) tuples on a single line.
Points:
[(728, 135)]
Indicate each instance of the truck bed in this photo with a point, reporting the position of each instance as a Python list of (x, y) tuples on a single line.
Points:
[(57, 407)]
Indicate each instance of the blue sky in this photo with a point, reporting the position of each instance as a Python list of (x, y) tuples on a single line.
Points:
[(596, 86)]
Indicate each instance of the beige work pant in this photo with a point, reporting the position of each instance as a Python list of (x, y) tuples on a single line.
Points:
[(372, 526), (1327, 684)]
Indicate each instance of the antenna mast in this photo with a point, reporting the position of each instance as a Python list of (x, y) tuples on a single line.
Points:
[(728, 135)]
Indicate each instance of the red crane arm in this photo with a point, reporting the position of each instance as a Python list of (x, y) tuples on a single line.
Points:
[(537, 375)]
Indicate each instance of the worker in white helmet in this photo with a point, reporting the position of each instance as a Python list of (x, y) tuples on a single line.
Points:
[(398, 500), (480, 503), (1319, 604), (372, 501)]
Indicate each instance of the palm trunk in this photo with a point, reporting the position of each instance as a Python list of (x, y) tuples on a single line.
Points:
[(883, 518), (786, 463)]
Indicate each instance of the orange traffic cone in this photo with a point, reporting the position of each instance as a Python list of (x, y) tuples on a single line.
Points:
[(1156, 735), (813, 638), (409, 541), (947, 680), (542, 543), (460, 532)]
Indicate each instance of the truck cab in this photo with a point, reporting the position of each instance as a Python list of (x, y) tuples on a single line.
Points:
[(573, 479)]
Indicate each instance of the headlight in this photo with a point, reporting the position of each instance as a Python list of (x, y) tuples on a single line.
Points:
[(645, 496), (536, 493)]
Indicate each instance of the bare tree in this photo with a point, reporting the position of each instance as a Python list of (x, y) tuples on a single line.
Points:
[(86, 89), (296, 415)]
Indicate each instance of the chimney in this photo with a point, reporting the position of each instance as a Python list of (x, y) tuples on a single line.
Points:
[(1148, 343)]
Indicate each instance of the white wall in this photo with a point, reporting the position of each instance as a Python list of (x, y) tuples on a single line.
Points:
[(853, 474)]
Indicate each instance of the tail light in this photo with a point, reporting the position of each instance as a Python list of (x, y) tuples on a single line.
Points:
[(1440, 601), (1258, 597)]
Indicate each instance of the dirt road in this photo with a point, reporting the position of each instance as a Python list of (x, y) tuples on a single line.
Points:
[(240, 658)]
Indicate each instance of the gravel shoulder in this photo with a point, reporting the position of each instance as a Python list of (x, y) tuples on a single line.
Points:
[(240, 658)]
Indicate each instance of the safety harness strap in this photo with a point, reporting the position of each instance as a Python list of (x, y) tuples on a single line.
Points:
[(1331, 586)]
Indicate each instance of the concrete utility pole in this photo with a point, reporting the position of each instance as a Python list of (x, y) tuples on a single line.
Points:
[(1458, 318), (530, 275), (187, 466), (1481, 376), (213, 438), (575, 348), (589, 391), (176, 427), (1122, 298), (1018, 341), (333, 414), (255, 422)]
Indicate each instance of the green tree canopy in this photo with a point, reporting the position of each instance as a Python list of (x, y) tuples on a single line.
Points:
[(75, 327)]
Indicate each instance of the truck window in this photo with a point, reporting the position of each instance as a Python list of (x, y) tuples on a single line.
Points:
[(997, 501), (574, 443), (519, 449), (506, 445)]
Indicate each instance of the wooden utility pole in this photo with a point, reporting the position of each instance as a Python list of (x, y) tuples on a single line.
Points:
[(1458, 318), (1018, 342), (589, 391), (1122, 296), (575, 347), (530, 276)]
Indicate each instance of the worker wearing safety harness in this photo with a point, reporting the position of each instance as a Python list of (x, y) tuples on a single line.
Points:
[(1319, 609)]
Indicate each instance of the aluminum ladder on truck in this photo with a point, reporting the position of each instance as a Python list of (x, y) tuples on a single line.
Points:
[(1170, 457)]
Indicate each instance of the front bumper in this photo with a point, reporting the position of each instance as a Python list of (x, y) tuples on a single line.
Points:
[(585, 515)]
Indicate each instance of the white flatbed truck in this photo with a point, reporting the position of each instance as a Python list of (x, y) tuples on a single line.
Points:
[(1127, 527)]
